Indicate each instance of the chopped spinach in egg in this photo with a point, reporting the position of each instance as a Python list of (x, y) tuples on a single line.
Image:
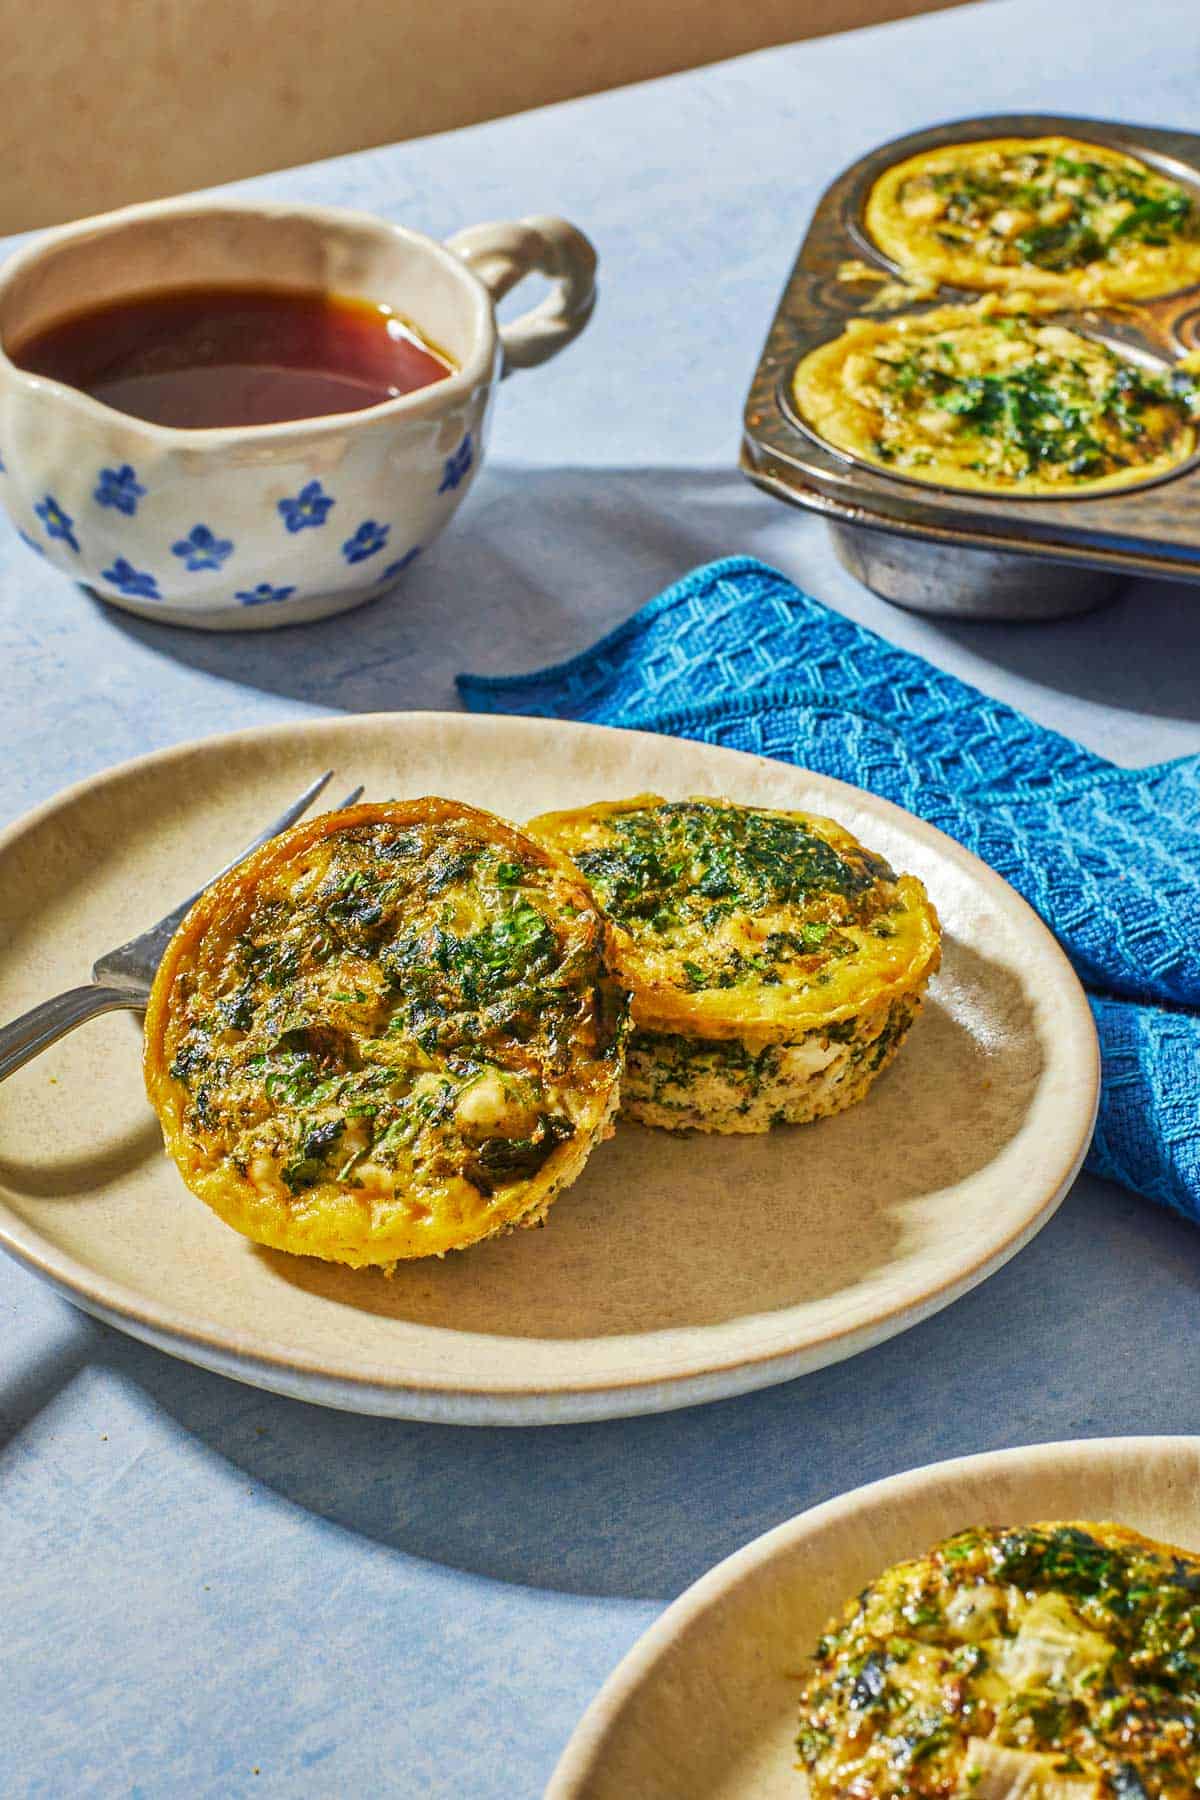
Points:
[(1051, 1662), (973, 398), (775, 962), (397, 1024), (1052, 214)]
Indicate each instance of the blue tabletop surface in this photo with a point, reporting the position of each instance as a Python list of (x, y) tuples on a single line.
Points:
[(214, 1592)]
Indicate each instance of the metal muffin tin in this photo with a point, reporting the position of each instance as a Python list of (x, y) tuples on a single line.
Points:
[(939, 549)]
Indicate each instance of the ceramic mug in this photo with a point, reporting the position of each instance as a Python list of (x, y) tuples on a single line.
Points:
[(266, 525)]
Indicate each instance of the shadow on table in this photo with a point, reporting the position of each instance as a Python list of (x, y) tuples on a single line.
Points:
[(639, 1508), (542, 562), (1138, 654), (539, 564)]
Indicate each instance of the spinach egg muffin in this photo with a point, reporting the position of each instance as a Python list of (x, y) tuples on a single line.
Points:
[(775, 964), (969, 397), (1051, 1662), (387, 1034), (1050, 214)]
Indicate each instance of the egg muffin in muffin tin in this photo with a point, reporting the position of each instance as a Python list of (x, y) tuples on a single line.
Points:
[(975, 397), (387, 1034), (775, 963), (1047, 1662), (1050, 214)]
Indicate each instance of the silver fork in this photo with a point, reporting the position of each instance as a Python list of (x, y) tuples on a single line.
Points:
[(122, 978)]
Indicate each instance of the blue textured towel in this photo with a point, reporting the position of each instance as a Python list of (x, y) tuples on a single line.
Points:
[(734, 654)]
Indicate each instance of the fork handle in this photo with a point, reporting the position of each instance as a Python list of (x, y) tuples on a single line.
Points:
[(37, 1029)]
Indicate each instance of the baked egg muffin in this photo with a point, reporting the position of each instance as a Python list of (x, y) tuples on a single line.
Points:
[(971, 397), (1050, 1662), (1050, 214), (775, 963), (387, 1034)]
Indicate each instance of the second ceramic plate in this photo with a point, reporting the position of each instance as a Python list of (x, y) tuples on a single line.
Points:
[(676, 1270), (705, 1703)]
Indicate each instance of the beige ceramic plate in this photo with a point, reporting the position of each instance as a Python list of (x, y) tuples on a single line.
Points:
[(705, 1704), (676, 1270)]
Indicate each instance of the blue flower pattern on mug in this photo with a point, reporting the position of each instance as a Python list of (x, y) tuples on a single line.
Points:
[(310, 507), (202, 549), (398, 568), (119, 488), (139, 584), (58, 523), (368, 540), (264, 594), (458, 465)]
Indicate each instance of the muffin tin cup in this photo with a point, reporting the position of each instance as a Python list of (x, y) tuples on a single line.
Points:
[(938, 549), (967, 583)]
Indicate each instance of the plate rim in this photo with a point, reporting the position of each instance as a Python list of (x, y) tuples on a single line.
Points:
[(434, 1396), (581, 1753)]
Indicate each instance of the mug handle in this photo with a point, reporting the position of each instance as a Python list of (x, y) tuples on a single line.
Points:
[(503, 253)]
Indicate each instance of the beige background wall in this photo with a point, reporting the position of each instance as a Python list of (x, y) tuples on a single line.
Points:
[(107, 101)]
